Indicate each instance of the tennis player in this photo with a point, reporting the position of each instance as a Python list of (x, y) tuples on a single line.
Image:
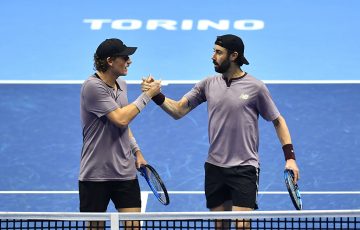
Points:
[(235, 99), (110, 153)]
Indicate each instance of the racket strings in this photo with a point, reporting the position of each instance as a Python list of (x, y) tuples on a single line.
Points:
[(157, 186), (294, 190)]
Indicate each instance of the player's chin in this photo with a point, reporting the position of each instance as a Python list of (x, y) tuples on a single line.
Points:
[(124, 72)]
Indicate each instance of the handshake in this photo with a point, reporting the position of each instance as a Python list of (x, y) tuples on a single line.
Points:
[(150, 86)]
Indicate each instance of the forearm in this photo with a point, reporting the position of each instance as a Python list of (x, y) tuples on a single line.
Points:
[(134, 147), (284, 138), (283, 134), (176, 109), (123, 116), (282, 131)]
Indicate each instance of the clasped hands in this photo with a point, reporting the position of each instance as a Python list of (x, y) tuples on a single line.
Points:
[(150, 86)]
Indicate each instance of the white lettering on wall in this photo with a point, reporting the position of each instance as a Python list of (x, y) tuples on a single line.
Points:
[(166, 24)]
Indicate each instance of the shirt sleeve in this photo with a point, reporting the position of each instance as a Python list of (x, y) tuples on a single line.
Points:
[(98, 99), (197, 94), (266, 105)]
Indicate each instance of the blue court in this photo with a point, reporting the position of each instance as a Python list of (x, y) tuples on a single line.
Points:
[(41, 143), (47, 51)]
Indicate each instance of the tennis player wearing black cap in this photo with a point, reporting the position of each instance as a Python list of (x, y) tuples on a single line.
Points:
[(235, 99), (110, 153)]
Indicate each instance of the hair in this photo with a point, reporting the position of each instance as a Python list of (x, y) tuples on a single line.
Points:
[(101, 64)]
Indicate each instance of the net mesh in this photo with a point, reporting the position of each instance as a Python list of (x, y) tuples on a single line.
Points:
[(322, 219), (50, 224)]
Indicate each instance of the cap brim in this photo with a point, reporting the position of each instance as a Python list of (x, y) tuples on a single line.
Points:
[(245, 61), (128, 51)]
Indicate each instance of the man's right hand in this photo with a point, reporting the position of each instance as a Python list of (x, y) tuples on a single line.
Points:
[(150, 86), (146, 83)]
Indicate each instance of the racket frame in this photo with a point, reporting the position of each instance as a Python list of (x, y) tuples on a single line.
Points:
[(293, 189), (143, 171)]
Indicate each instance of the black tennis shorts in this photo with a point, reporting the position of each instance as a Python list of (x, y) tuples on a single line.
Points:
[(238, 184), (95, 196)]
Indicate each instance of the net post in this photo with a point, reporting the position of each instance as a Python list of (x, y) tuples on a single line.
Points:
[(114, 221)]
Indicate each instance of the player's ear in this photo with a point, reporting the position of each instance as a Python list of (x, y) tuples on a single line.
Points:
[(234, 55), (110, 61)]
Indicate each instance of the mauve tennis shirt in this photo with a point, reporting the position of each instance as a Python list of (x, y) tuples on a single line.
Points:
[(233, 113), (106, 154)]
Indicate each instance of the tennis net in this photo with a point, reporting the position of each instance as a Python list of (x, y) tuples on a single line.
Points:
[(305, 219)]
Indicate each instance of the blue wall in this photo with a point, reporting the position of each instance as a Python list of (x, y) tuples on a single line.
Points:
[(285, 39)]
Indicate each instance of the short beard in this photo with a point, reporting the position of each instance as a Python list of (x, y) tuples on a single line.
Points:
[(224, 67)]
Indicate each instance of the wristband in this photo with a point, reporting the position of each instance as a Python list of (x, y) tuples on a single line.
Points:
[(159, 99), (141, 101), (133, 145), (289, 151)]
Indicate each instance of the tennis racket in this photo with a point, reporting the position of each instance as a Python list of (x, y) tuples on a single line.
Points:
[(293, 189), (155, 183)]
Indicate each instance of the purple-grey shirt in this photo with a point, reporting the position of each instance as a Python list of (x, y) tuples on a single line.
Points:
[(106, 154), (233, 113)]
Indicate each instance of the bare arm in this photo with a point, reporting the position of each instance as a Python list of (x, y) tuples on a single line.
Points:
[(140, 160), (176, 109), (283, 134), (282, 130), (123, 116)]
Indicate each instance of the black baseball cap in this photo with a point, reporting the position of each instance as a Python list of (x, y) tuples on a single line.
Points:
[(114, 47), (233, 43)]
